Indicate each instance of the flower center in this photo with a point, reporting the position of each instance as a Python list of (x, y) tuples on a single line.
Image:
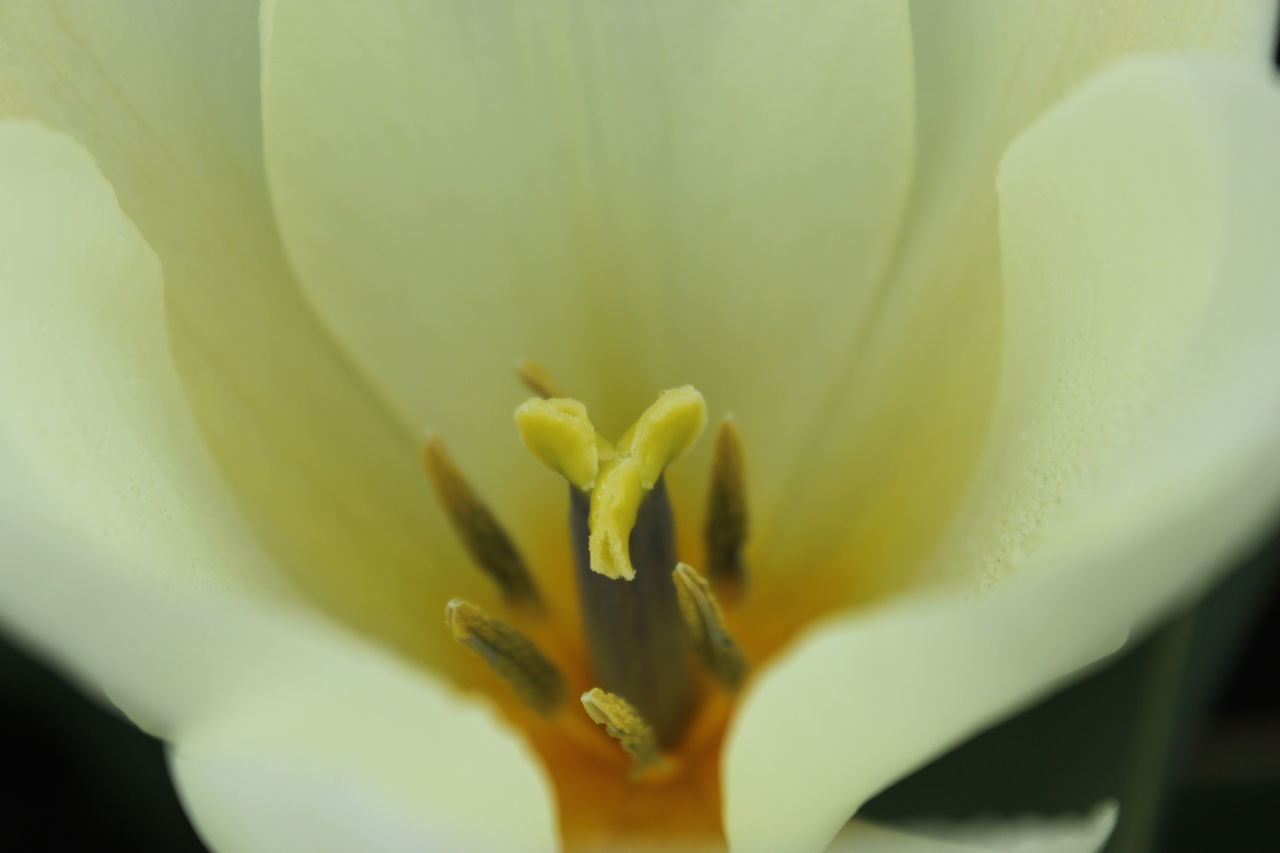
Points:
[(661, 665)]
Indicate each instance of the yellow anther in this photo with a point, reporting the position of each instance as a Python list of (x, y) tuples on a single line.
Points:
[(727, 522), (559, 433), (625, 725), (481, 534), (664, 431), (538, 379), (708, 635), (614, 503), (510, 654)]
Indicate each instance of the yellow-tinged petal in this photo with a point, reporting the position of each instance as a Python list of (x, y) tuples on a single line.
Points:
[(89, 397), (353, 751), (1136, 263), (908, 414), (288, 733), (636, 195), (166, 97), (1172, 444), (1024, 834)]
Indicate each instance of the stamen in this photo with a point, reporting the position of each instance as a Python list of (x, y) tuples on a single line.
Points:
[(624, 724), (538, 379), (480, 532), (560, 434), (510, 654), (708, 635), (726, 530)]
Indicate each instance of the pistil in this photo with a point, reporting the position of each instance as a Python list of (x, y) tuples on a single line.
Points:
[(645, 615), (634, 631), (623, 534)]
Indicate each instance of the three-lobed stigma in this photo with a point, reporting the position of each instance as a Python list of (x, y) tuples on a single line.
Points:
[(645, 616), (617, 476)]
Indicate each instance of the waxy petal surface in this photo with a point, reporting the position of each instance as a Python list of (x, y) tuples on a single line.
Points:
[(1139, 355), (913, 393), (166, 97), (1023, 834), (637, 195)]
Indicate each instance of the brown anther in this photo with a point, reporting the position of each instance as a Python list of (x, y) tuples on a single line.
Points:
[(708, 635), (510, 654), (481, 534), (538, 380), (727, 521), (625, 725)]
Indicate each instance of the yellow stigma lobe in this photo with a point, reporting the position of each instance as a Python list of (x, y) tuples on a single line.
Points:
[(560, 434), (614, 504), (625, 725), (664, 431)]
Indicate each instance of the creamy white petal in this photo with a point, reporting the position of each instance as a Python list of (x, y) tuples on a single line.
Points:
[(860, 836), (1140, 277), (1024, 834), (638, 195), (906, 421), (1027, 833), (288, 733), (166, 97), (89, 398), (341, 749)]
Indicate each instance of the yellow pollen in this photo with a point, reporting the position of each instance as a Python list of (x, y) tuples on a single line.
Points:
[(559, 433)]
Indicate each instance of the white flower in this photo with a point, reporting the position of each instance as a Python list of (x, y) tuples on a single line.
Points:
[(992, 300)]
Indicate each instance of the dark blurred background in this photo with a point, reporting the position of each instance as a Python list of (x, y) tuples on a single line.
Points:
[(1184, 730)]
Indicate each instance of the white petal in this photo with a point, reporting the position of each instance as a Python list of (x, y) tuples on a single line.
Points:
[(907, 422), (89, 400), (274, 715), (860, 836), (638, 195), (166, 96), (1018, 835), (1157, 181), (345, 750)]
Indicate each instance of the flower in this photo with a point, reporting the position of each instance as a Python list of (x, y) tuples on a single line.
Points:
[(989, 298)]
